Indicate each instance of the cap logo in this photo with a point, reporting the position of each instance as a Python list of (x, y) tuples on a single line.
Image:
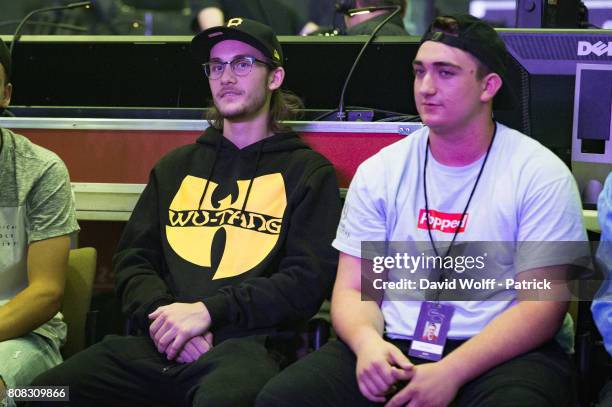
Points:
[(234, 22), (276, 55), (437, 36)]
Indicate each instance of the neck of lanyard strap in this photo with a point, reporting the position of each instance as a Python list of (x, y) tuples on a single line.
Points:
[(431, 240)]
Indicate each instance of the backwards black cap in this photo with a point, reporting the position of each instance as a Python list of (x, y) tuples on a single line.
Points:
[(255, 34), (473, 35), (5, 59)]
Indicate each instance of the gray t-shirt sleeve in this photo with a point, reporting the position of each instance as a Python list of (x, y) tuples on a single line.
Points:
[(50, 204)]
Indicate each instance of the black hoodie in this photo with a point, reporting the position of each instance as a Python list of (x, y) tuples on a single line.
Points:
[(246, 231)]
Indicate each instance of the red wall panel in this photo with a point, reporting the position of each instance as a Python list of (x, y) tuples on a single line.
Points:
[(127, 156)]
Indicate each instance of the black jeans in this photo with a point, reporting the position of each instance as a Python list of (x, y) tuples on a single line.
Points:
[(326, 378), (129, 371)]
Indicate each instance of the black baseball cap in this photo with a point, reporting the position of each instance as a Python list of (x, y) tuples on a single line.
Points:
[(255, 34), (5, 59), (478, 38)]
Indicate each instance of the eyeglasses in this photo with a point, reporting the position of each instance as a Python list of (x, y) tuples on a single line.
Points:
[(241, 66)]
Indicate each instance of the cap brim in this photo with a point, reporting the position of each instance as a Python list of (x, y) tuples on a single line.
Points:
[(205, 40)]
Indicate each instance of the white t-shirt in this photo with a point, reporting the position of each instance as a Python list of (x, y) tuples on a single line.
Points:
[(525, 194)]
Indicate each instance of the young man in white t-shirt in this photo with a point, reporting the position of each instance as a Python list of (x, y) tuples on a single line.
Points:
[(462, 178)]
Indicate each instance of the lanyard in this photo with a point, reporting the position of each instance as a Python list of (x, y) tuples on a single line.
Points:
[(431, 240)]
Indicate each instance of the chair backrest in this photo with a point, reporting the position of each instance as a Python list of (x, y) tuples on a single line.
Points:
[(77, 297)]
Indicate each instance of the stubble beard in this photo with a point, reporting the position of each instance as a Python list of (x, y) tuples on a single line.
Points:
[(249, 109)]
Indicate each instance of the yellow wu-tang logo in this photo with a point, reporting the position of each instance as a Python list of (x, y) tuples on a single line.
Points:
[(250, 236), (234, 22)]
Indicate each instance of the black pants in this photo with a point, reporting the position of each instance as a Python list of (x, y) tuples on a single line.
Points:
[(542, 377), (129, 371)]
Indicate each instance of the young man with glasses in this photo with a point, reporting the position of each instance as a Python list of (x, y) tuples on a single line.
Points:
[(462, 178), (228, 251)]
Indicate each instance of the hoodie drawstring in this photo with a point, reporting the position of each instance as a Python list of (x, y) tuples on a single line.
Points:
[(212, 170), (253, 176)]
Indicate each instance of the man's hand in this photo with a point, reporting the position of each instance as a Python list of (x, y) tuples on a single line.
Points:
[(196, 347), (432, 385), (173, 325), (379, 365)]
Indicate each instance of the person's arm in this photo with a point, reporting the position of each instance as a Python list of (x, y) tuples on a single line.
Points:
[(354, 320), (51, 219), (602, 304), (360, 325), (517, 330), (139, 263), (41, 299)]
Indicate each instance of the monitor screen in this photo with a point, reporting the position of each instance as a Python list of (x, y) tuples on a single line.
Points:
[(547, 61), (592, 129)]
